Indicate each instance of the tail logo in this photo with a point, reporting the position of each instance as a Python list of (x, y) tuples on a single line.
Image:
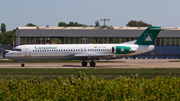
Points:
[(148, 37)]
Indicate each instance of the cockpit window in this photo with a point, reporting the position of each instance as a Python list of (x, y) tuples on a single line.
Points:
[(16, 50)]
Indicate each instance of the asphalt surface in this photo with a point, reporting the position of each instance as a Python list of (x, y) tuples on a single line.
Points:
[(127, 63)]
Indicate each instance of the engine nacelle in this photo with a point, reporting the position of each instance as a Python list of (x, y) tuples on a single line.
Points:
[(123, 50)]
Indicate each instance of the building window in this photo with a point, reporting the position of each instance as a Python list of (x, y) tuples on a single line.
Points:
[(22, 41), (163, 42), (177, 41), (106, 40), (100, 40), (168, 41), (33, 40), (28, 40), (172, 41), (71, 40), (83, 40), (110, 40), (60, 40), (77, 40), (37, 40), (94, 40), (157, 42), (53, 40), (117, 40)]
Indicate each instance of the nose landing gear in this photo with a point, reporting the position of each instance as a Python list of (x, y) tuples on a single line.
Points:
[(22, 65)]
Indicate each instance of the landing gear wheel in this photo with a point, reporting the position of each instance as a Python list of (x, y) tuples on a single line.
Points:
[(92, 64), (22, 65), (84, 64)]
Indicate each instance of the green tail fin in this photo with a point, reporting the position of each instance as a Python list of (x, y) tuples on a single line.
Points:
[(149, 36)]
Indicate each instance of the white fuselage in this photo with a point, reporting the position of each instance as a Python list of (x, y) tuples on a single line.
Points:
[(72, 51)]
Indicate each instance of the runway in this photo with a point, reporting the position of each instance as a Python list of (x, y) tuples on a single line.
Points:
[(125, 64)]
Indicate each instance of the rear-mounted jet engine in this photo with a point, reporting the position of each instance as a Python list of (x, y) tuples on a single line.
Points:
[(123, 50)]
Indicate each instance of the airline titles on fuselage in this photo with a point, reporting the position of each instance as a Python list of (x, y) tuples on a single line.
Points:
[(55, 49)]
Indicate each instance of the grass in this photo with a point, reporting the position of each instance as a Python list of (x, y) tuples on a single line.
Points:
[(174, 61), (105, 73)]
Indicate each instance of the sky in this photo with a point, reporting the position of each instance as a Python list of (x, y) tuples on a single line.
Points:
[(16, 13)]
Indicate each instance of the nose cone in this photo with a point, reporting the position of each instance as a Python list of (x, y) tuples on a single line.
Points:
[(8, 55)]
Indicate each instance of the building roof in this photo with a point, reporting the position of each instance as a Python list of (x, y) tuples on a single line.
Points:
[(96, 28)]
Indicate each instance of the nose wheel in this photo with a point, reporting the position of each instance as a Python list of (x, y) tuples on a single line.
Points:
[(22, 65)]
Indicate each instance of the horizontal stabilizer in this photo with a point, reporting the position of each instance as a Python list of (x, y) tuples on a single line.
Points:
[(156, 29)]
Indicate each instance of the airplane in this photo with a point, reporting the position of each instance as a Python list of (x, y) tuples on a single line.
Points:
[(85, 51)]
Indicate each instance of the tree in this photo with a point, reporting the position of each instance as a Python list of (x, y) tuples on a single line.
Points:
[(134, 23), (70, 24), (62, 24), (3, 28), (97, 24), (4, 38), (31, 25)]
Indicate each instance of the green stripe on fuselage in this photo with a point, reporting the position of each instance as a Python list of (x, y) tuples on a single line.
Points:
[(123, 50)]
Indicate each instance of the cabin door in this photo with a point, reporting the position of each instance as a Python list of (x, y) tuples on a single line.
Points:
[(27, 52), (84, 50)]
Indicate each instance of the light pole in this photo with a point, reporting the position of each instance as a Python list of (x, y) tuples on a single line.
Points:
[(104, 20)]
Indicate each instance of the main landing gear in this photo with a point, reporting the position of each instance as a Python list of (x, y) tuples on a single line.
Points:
[(84, 63), (92, 64)]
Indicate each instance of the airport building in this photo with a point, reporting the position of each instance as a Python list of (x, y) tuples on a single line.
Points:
[(167, 43)]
